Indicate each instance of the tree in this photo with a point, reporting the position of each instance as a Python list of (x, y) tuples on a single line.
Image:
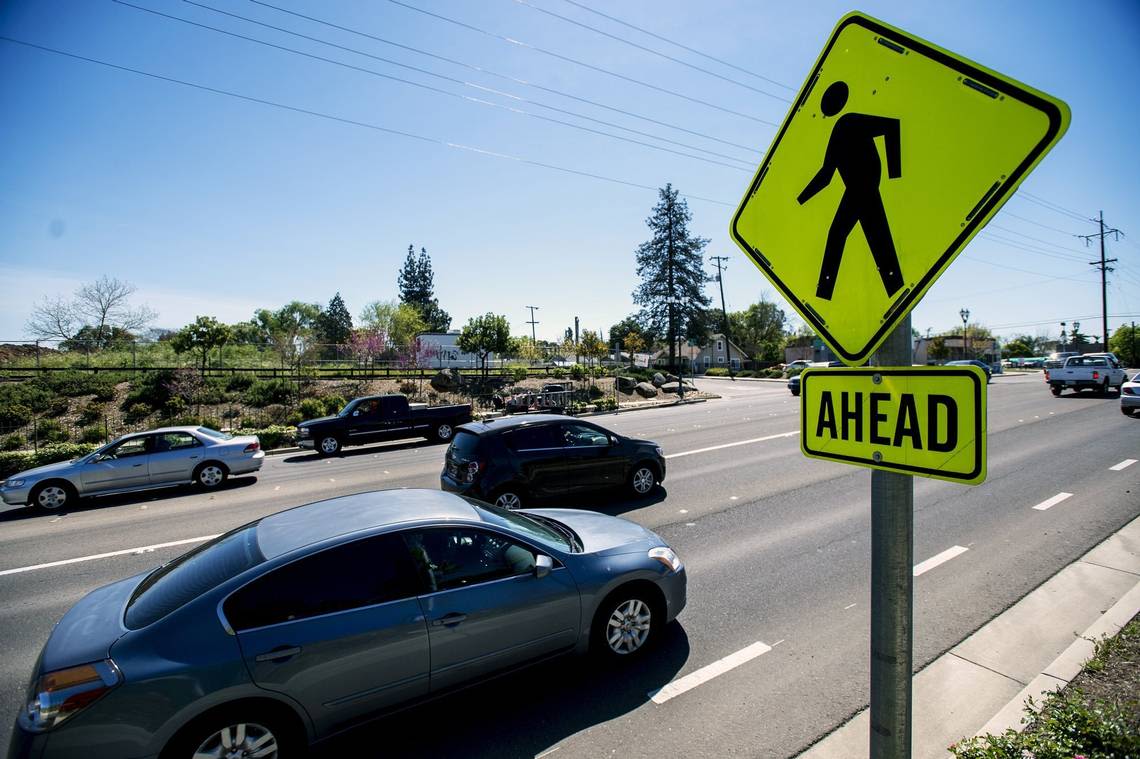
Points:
[(334, 325), (1019, 347), (399, 322), (671, 267), (759, 329), (1123, 344), (102, 306), (484, 335), (635, 343), (592, 346), (89, 337), (938, 349), (288, 328), (416, 282), (202, 336), (529, 350)]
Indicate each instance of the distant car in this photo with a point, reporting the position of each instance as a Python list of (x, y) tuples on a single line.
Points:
[(296, 626), (512, 462), (376, 418), (974, 362), (139, 461), (798, 365), (1130, 396), (794, 382)]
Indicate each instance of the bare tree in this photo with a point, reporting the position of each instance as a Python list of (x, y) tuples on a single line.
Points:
[(99, 308)]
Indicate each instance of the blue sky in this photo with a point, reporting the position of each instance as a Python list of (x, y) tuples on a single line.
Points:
[(215, 204)]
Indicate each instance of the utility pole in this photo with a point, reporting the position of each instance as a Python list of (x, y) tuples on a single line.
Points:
[(1103, 264), (532, 322), (724, 312), (575, 339)]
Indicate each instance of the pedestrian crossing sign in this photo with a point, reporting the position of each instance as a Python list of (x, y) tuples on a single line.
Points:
[(893, 156)]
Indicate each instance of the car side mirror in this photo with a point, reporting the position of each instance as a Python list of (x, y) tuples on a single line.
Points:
[(614, 440), (542, 565), (356, 412)]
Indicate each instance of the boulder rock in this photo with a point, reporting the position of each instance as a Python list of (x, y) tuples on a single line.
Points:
[(646, 390), (675, 387), (444, 382), (659, 379), (626, 384)]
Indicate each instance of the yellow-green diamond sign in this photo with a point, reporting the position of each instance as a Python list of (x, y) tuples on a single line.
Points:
[(894, 155)]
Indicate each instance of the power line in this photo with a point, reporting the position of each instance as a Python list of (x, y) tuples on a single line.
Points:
[(1058, 206), (1029, 237), (1023, 271), (352, 122), (583, 64), (1050, 206), (1017, 244), (678, 44), (420, 85), (651, 51), (505, 77), (1031, 221)]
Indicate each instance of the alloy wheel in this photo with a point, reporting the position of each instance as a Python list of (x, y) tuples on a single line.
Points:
[(443, 432), (51, 497), (643, 480), (244, 740), (508, 501), (330, 445), (628, 626)]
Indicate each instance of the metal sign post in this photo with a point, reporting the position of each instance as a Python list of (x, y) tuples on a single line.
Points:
[(892, 588)]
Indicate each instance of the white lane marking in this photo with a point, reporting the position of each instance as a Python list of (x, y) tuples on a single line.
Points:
[(941, 558), (730, 445), (1049, 503), (547, 753), (848, 606), (1122, 465), (109, 554), (704, 674)]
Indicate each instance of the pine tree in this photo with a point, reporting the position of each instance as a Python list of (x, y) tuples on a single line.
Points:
[(416, 282), (671, 267), (335, 323)]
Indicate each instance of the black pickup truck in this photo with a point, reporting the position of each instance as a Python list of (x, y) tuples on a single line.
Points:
[(381, 417)]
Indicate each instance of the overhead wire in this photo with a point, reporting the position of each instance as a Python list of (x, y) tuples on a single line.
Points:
[(678, 44), (651, 50), (420, 85), (1004, 212), (348, 121), (1058, 206), (1030, 248), (583, 64), (1064, 248), (505, 77), (1050, 206)]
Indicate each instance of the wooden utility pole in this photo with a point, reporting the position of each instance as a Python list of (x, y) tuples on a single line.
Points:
[(727, 340), (1103, 264)]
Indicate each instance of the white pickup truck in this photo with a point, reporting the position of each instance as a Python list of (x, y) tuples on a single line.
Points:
[(1100, 373)]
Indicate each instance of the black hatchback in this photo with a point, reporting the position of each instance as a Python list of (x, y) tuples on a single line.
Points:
[(514, 461)]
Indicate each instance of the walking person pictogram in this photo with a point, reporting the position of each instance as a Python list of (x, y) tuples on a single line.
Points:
[(851, 151)]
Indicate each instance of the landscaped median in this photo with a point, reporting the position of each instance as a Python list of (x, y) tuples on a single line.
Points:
[(1095, 716)]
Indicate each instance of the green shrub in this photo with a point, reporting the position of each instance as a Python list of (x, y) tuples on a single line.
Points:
[(151, 388), (49, 430), (274, 436), (91, 413), (15, 461), (237, 383), (93, 435), (594, 392), (716, 371), (57, 407), (264, 393), (213, 391), (292, 418), (334, 403), (577, 371), (558, 373), (12, 443), (76, 383), (518, 373), (15, 415), (174, 406), (606, 404), (53, 452), (189, 420), (775, 374), (136, 412), (311, 408), (31, 395)]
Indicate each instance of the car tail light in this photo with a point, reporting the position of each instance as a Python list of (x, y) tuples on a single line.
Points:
[(253, 447), (1096, 374), (472, 470), (58, 695), (1046, 375), (1127, 391)]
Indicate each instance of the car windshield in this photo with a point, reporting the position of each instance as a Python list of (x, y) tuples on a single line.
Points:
[(182, 580), (549, 532), (347, 408), (215, 434)]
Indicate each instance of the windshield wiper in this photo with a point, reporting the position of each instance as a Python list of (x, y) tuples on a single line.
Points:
[(564, 530)]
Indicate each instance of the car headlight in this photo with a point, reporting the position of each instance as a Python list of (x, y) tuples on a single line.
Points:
[(660, 451), (666, 556), (58, 695), (303, 432), (13, 483)]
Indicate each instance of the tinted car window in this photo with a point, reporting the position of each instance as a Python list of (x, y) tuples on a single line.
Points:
[(458, 557), (192, 574), (523, 523), (362, 573), (579, 435), (533, 437), (464, 443)]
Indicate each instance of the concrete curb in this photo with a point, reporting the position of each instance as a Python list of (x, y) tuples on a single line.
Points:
[(670, 404), (980, 685)]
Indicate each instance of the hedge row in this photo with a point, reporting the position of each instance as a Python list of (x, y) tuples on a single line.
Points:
[(12, 462)]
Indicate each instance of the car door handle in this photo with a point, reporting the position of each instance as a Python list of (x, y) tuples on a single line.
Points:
[(193, 457), (279, 654), (136, 465), (449, 620)]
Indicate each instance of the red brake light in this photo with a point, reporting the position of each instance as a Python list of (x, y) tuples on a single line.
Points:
[(252, 447), (1096, 374)]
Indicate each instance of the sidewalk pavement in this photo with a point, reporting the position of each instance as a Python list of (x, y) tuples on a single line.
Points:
[(980, 685)]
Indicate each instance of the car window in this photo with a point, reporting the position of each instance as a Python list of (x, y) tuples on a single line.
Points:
[(534, 437), (463, 445), (215, 434), (524, 523), (448, 557), (136, 446), (580, 435), (192, 574), (361, 573), (174, 441)]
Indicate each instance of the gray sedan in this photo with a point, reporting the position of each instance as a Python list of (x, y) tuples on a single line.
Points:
[(142, 460), (289, 629)]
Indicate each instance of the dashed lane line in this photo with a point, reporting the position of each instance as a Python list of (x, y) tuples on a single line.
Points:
[(1051, 502), (706, 673), (1122, 465), (731, 445), (109, 554), (941, 558)]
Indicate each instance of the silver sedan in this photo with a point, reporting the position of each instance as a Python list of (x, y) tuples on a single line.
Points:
[(139, 461)]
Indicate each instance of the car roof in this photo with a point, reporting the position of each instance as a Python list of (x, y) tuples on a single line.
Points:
[(289, 530), (502, 424)]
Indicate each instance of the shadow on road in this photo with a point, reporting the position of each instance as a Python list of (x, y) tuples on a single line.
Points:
[(521, 714), (302, 458), (126, 499)]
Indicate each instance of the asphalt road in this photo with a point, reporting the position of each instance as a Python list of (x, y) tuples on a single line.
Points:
[(777, 548)]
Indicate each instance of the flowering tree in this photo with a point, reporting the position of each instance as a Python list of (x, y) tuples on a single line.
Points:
[(367, 343)]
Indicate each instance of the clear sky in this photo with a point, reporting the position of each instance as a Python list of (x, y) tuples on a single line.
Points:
[(213, 204)]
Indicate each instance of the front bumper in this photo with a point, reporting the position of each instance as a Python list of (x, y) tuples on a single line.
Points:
[(306, 443), (16, 496), (675, 587)]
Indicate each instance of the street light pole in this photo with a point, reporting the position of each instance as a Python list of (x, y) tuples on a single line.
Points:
[(965, 314)]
